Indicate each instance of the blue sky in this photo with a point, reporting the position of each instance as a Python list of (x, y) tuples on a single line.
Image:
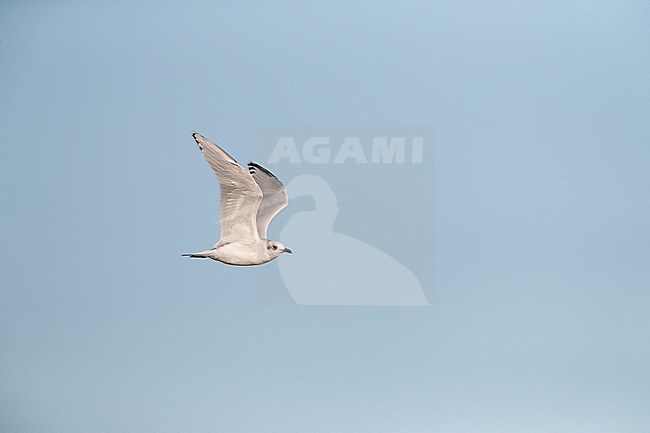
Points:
[(541, 250)]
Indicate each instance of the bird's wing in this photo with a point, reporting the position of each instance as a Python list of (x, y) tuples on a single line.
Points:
[(275, 196), (240, 196)]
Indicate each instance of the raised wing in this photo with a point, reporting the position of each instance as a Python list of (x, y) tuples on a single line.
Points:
[(274, 196), (240, 196)]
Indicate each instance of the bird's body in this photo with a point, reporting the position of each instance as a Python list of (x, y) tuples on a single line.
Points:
[(239, 253), (248, 202)]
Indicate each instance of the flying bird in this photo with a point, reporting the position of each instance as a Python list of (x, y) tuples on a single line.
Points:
[(249, 199)]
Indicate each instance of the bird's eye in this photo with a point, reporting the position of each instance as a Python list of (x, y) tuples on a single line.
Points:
[(275, 247)]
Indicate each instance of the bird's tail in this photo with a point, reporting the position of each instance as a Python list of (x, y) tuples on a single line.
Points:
[(201, 255)]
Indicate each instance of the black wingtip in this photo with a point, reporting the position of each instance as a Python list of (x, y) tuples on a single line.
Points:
[(253, 166), (194, 135)]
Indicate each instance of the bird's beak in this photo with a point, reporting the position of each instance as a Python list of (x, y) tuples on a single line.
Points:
[(287, 250)]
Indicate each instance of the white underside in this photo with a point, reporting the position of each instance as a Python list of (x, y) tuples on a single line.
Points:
[(243, 253)]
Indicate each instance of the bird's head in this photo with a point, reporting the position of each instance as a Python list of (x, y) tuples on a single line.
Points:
[(276, 248)]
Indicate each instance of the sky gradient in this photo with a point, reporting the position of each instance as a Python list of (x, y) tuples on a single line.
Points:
[(541, 236)]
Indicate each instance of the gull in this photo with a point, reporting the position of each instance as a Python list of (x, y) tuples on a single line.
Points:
[(249, 199)]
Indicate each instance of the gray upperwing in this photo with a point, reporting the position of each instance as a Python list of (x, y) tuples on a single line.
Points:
[(274, 196)]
